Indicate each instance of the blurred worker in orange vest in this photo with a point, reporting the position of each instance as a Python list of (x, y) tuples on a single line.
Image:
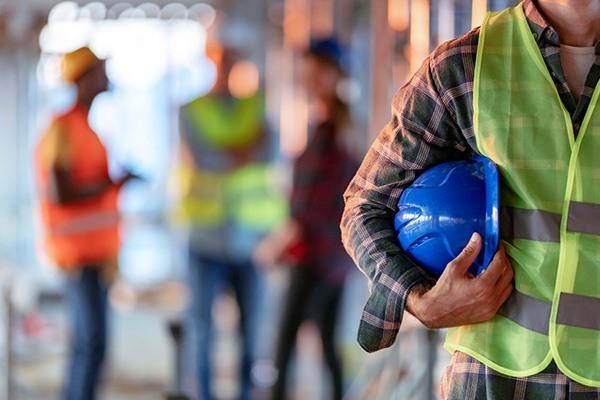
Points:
[(78, 204)]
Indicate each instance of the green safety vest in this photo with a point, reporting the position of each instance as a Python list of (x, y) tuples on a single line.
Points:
[(550, 204), (231, 125), (245, 196)]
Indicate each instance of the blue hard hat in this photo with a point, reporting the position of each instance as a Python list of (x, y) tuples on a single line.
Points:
[(439, 212), (330, 49)]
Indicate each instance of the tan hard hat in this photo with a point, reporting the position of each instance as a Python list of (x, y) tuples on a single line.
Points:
[(76, 63)]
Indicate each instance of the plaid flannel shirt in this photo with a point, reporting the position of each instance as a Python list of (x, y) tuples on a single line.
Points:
[(466, 378), (432, 122), (321, 173)]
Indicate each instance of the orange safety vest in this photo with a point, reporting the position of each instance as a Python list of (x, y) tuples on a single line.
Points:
[(84, 231)]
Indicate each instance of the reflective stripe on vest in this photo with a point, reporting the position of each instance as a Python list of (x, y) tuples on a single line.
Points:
[(573, 310), (87, 223), (550, 211), (584, 218), (203, 198), (246, 197), (519, 223), (254, 200), (580, 311), (527, 311)]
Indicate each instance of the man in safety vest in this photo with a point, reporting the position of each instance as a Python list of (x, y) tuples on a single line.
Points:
[(228, 201), (78, 205), (521, 90)]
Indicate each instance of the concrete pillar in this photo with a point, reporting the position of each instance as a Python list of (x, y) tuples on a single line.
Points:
[(381, 67)]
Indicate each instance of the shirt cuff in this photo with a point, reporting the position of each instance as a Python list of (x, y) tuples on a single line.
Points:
[(382, 315)]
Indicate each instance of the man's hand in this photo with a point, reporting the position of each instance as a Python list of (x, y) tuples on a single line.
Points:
[(458, 298), (272, 249)]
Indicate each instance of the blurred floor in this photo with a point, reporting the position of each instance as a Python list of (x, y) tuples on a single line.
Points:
[(139, 365), (142, 355)]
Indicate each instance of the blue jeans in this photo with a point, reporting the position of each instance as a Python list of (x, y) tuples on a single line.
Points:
[(208, 277), (87, 298)]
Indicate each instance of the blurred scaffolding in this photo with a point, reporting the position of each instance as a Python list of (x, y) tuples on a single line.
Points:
[(157, 62)]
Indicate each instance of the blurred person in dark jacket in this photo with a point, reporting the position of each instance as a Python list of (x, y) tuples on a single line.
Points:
[(310, 241)]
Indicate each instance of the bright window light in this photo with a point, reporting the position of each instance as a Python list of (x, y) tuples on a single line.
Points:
[(187, 40), (150, 9), (132, 13), (64, 36), (95, 11), (65, 11), (139, 56), (174, 11), (203, 13), (139, 50), (117, 9)]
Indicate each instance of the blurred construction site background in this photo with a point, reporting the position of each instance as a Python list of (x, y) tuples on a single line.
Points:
[(158, 61)]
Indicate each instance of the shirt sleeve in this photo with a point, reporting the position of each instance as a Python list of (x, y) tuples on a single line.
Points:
[(422, 132)]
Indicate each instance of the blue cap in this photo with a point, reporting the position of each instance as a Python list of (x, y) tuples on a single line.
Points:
[(439, 212), (329, 49)]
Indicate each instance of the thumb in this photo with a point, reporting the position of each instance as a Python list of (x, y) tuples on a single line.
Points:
[(461, 264)]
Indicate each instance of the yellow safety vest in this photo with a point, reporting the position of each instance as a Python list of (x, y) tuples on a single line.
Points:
[(245, 196), (226, 126), (550, 198)]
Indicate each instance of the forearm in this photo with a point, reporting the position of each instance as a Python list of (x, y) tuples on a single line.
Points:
[(62, 189), (410, 143), (415, 303), (370, 239)]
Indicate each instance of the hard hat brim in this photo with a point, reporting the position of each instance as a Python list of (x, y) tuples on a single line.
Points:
[(491, 236)]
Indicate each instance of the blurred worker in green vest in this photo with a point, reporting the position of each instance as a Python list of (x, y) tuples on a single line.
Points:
[(228, 201)]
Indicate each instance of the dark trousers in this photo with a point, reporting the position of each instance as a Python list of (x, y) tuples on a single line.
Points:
[(308, 296), (87, 298), (208, 278)]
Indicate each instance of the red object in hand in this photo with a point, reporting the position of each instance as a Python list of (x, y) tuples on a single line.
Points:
[(295, 252)]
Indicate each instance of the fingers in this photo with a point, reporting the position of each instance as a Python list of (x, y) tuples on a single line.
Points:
[(506, 277), (505, 294), (467, 256), (496, 268), (496, 284)]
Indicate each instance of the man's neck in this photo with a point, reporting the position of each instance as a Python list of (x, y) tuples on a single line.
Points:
[(84, 102), (576, 21)]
